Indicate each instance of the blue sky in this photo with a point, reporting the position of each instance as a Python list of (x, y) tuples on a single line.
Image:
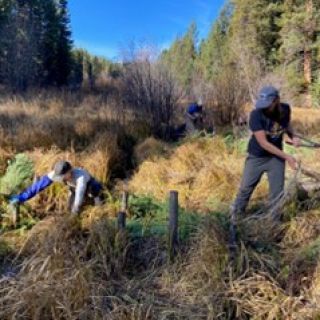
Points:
[(103, 26)]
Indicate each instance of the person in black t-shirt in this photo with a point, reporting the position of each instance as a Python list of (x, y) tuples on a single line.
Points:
[(268, 122)]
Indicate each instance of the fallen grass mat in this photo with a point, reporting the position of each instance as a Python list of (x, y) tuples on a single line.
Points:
[(60, 263), (84, 269)]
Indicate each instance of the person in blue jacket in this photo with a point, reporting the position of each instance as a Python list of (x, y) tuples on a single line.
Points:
[(81, 185), (194, 118)]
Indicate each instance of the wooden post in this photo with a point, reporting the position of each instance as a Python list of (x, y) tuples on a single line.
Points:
[(123, 212), (15, 214), (173, 237), (233, 236)]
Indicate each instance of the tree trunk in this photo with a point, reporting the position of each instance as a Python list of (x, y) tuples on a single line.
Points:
[(307, 59), (307, 66)]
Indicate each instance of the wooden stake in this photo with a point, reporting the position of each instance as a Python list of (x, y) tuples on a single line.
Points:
[(173, 237), (122, 214)]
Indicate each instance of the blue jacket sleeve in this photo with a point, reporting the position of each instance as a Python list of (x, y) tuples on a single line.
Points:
[(35, 188)]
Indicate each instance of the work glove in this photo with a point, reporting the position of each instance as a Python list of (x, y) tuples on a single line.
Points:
[(75, 211), (14, 200)]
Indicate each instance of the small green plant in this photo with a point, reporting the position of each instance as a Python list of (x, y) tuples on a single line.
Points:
[(143, 207), (18, 174), (150, 218), (4, 249), (311, 252)]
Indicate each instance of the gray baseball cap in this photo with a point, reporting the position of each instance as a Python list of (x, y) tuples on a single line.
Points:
[(266, 97), (61, 168)]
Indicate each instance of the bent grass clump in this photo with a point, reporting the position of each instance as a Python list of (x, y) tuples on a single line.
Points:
[(84, 269), (204, 171), (64, 269)]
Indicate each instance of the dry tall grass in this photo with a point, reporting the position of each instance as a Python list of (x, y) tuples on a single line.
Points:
[(83, 268), (63, 119), (204, 171), (66, 269), (306, 121), (99, 161)]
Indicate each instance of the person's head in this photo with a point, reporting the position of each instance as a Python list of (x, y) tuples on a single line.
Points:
[(200, 103), (268, 99), (63, 169)]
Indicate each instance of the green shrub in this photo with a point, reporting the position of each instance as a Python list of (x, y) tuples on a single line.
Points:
[(149, 217), (18, 174)]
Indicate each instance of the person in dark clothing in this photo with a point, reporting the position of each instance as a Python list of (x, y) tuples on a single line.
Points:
[(81, 185), (268, 122), (194, 119)]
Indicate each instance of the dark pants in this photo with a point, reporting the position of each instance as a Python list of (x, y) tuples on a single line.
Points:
[(94, 192), (254, 169)]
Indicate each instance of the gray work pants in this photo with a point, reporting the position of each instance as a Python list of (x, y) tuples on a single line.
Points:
[(254, 169)]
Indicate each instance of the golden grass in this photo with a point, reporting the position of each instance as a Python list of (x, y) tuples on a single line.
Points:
[(149, 149), (62, 119), (62, 277), (100, 161), (260, 297), (287, 288), (306, 121), (201, 281), (84, 269), (203, 171), (301, 230)]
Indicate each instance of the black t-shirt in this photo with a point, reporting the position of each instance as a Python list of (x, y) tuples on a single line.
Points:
[(274, 127)]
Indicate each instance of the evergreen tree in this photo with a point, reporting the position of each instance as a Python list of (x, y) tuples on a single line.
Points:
[(181, 56), (214, 50), (300, 30), (254, 26), (57, 44), (5, 11), (20, 40), (88, 68), (35, 43), (77, 70), (64, 45)]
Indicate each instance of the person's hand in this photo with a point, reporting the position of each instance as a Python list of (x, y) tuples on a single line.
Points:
[(14, 200), (75, 211), (292, 162), (296, 142)]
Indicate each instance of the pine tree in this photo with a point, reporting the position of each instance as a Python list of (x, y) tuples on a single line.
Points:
[(77, 71), (64, 45), (181, 56), (35, 43), (5, 12), (214, 50), (87, 68), (20, 41), (300, 32), (57, 44), (5, 9), (254, 26)]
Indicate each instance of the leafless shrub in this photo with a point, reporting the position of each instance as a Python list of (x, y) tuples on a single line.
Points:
[(150, 89), (226, 97)]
